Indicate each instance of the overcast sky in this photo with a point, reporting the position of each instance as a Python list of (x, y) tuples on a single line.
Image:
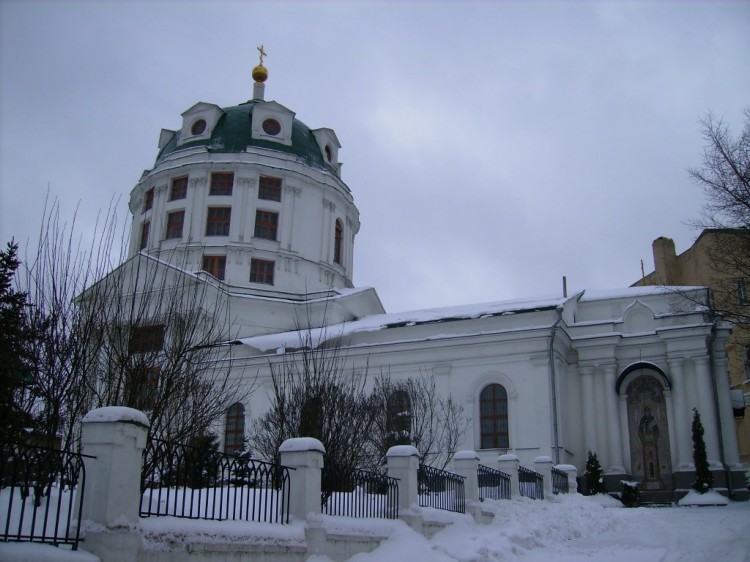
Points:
[(492, 147)]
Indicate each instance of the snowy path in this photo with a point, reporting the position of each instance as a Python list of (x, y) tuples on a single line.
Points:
[(576, 529)]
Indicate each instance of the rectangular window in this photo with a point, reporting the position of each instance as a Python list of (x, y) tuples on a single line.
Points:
[(145, 387), (146, 339), (741, 287), (144, 234), (221, 183), (269, 188), (149, 202), (215, 265), (217, 222), (179, 188), (266, 224), (261, 271), (175, 220)]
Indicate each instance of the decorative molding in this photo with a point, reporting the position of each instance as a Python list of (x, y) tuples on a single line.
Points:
[(247, 182), (293, 190), (198, 182)]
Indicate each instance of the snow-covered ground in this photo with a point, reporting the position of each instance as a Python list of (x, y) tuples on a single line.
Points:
[(569, 528)]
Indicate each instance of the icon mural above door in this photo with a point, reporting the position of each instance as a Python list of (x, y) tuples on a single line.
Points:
[(649, 433)]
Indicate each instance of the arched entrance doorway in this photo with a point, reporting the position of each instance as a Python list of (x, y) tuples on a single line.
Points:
[(651, 462)]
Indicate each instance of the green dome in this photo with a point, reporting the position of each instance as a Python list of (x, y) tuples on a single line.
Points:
[(232, 133)]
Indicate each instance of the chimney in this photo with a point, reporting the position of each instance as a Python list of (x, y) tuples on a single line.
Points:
[(665, 261)]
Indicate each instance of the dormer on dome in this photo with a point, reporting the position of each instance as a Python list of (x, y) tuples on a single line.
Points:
[(329, 146), (198, 122), (272, 122)]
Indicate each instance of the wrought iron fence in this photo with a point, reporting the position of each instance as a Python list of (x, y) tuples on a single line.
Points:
[(197, 483), (493, 484), (440, 489), (559, 481), (358, 493), (41, 494), (530, 483)]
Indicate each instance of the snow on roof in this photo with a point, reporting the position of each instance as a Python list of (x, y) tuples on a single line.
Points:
[(296, 338), (630, 292)]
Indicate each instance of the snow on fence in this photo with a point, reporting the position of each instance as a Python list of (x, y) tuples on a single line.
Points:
[(440, 489), (351, 492), (493, 484), (188, 482), (530, 483), (38, 493)]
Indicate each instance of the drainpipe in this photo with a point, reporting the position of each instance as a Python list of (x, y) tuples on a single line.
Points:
[(553, 387)]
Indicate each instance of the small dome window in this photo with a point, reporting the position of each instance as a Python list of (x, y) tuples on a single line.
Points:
[(271, 127), (198, 127), (329, 154)]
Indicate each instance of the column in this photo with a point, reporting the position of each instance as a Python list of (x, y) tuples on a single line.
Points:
[(729, 437), (600, 419), (707, 410), (508, 463), (543, 465), (245, 209), (616, 465), (194, 229), (683, 440), (587, 408), (622, 404), (305, 455), (291, 194), (466, 464), (403, 464)]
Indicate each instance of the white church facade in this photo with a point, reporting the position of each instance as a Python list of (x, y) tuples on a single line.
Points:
[(250, 201)]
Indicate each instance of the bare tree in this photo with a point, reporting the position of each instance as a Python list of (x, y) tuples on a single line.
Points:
[(725, 179), (144, 334), (315, 395), (412, 412)]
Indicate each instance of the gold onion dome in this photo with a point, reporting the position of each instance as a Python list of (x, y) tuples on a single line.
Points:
[(260, 73)]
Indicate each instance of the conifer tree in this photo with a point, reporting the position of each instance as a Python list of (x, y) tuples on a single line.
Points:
[(703, 477), (594, 476)]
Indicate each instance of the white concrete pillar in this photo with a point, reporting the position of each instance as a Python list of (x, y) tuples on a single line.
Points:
[(543, 465), (616, 465), (116, 436), (587, 409), (508, 463), (466, 464), (572, 473), (403, 463), (114, 439), (305, 455), (622, 404), (682, 417), (707, 410)]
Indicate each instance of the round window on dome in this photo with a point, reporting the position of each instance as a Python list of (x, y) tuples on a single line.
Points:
[(271, 127), (198, 127)]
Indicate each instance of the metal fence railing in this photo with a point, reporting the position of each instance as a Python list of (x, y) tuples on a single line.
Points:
[(196, 483), (41, 494), (493, 484), (530, 483), (440, 489), (559, 481), (351, 492)]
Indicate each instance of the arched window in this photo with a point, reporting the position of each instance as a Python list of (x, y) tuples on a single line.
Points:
[(338, 239), (234, 434), (493, 416), (398, 418)]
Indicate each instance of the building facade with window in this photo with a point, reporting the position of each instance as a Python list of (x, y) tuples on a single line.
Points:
[(715, 261), (267, 222)]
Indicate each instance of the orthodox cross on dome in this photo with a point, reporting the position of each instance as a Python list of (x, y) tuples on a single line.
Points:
[(262, 54)]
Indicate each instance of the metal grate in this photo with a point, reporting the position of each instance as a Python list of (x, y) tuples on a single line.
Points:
[(440, 489), (358, 493), (493, 484), (530, 483)]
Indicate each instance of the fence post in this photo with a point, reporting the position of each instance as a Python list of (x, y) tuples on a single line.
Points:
[(466, 464), (543, 465), (116, 436), (508, 463), (305, 455), (403, 463), (572, 473)]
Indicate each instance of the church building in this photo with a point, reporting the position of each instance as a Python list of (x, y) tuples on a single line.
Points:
[(251, 201)]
